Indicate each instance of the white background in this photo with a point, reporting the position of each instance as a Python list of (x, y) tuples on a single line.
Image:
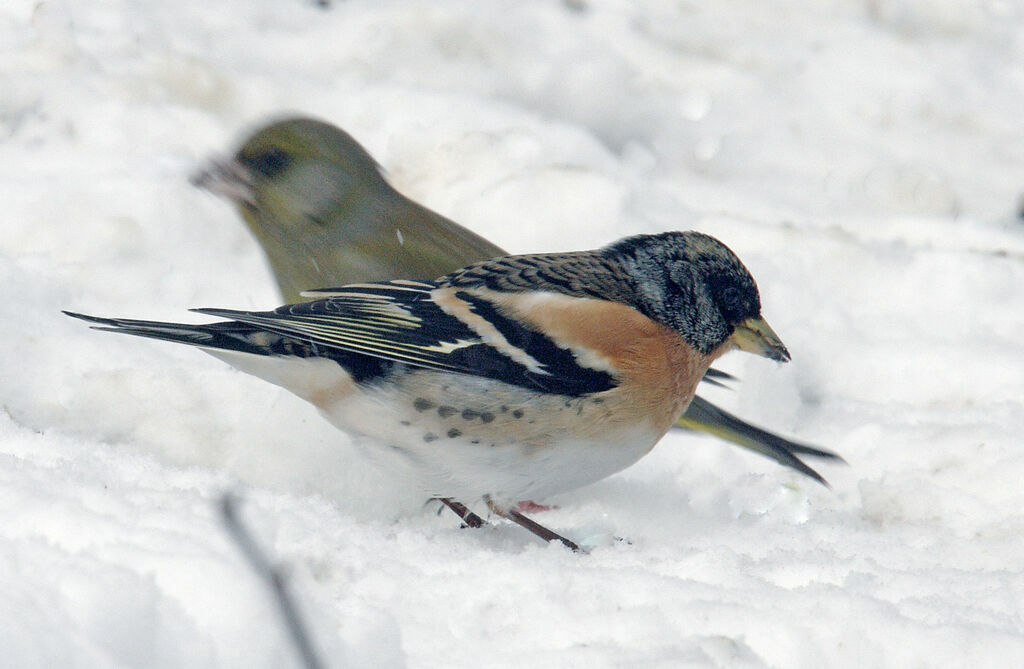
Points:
[(865, 160)]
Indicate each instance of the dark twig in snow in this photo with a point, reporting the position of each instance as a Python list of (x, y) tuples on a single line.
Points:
[(274, 578)]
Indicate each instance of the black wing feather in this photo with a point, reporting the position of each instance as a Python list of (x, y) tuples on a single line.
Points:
[(399, 322)]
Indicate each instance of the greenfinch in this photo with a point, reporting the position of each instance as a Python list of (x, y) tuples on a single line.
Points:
[(323, 213), (318, 205)]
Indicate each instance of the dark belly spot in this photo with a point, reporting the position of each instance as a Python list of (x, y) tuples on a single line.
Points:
[(469, 414), (518, 413), (487, 417), (421, 404), (445, 411), (452, 433), (429, 437)]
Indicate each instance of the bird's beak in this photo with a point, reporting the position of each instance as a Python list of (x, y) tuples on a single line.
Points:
[(755, 336), (226, 178)]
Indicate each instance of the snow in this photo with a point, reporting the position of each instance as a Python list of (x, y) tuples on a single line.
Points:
[(863, 158)]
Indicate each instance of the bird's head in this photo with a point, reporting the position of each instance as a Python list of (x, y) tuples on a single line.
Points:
[(694, 284)]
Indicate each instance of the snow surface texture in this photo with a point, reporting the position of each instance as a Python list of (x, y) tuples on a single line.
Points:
[(863, 158)]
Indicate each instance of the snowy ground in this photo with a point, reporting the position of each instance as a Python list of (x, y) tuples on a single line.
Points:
[(864, 159)]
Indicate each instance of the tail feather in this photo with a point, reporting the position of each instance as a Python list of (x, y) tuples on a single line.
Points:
[(706, 417), (242, 338), (230, 336)]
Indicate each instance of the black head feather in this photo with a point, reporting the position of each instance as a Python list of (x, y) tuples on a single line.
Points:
[(690, 281)]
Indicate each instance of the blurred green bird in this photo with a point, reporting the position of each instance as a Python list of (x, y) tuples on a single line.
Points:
[(318, 204)]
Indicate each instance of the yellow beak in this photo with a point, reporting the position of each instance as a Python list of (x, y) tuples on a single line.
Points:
[(755, 336)]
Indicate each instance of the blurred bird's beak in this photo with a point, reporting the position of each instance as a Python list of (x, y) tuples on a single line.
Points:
[(755, 336), (227, 178)]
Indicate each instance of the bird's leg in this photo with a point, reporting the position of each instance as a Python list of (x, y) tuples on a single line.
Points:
[(538, 529), (467, 516)]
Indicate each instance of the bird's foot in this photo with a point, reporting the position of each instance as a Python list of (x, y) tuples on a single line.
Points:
[(535, 527), (468, 517)]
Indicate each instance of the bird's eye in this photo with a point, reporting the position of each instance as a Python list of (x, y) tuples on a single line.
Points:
[(731, 302), (269, 163)]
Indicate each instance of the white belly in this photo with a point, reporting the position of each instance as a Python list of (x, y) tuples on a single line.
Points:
[(487, 438), (467, 439)]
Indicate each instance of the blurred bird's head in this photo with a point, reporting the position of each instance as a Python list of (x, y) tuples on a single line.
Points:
[(289, 177), (319, 207)]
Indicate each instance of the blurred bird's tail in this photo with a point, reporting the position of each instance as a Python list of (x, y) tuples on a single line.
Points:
[(703, 416)]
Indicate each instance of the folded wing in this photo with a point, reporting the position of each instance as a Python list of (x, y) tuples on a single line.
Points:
[(400, 322)]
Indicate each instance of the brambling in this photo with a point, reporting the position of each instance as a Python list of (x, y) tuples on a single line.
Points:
[(318, 205), (514, 378)]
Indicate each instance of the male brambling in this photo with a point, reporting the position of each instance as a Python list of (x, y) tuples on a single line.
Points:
[(514, 378), (318, 205)]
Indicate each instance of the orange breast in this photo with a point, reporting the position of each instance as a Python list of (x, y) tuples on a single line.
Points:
[(657, 370)]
